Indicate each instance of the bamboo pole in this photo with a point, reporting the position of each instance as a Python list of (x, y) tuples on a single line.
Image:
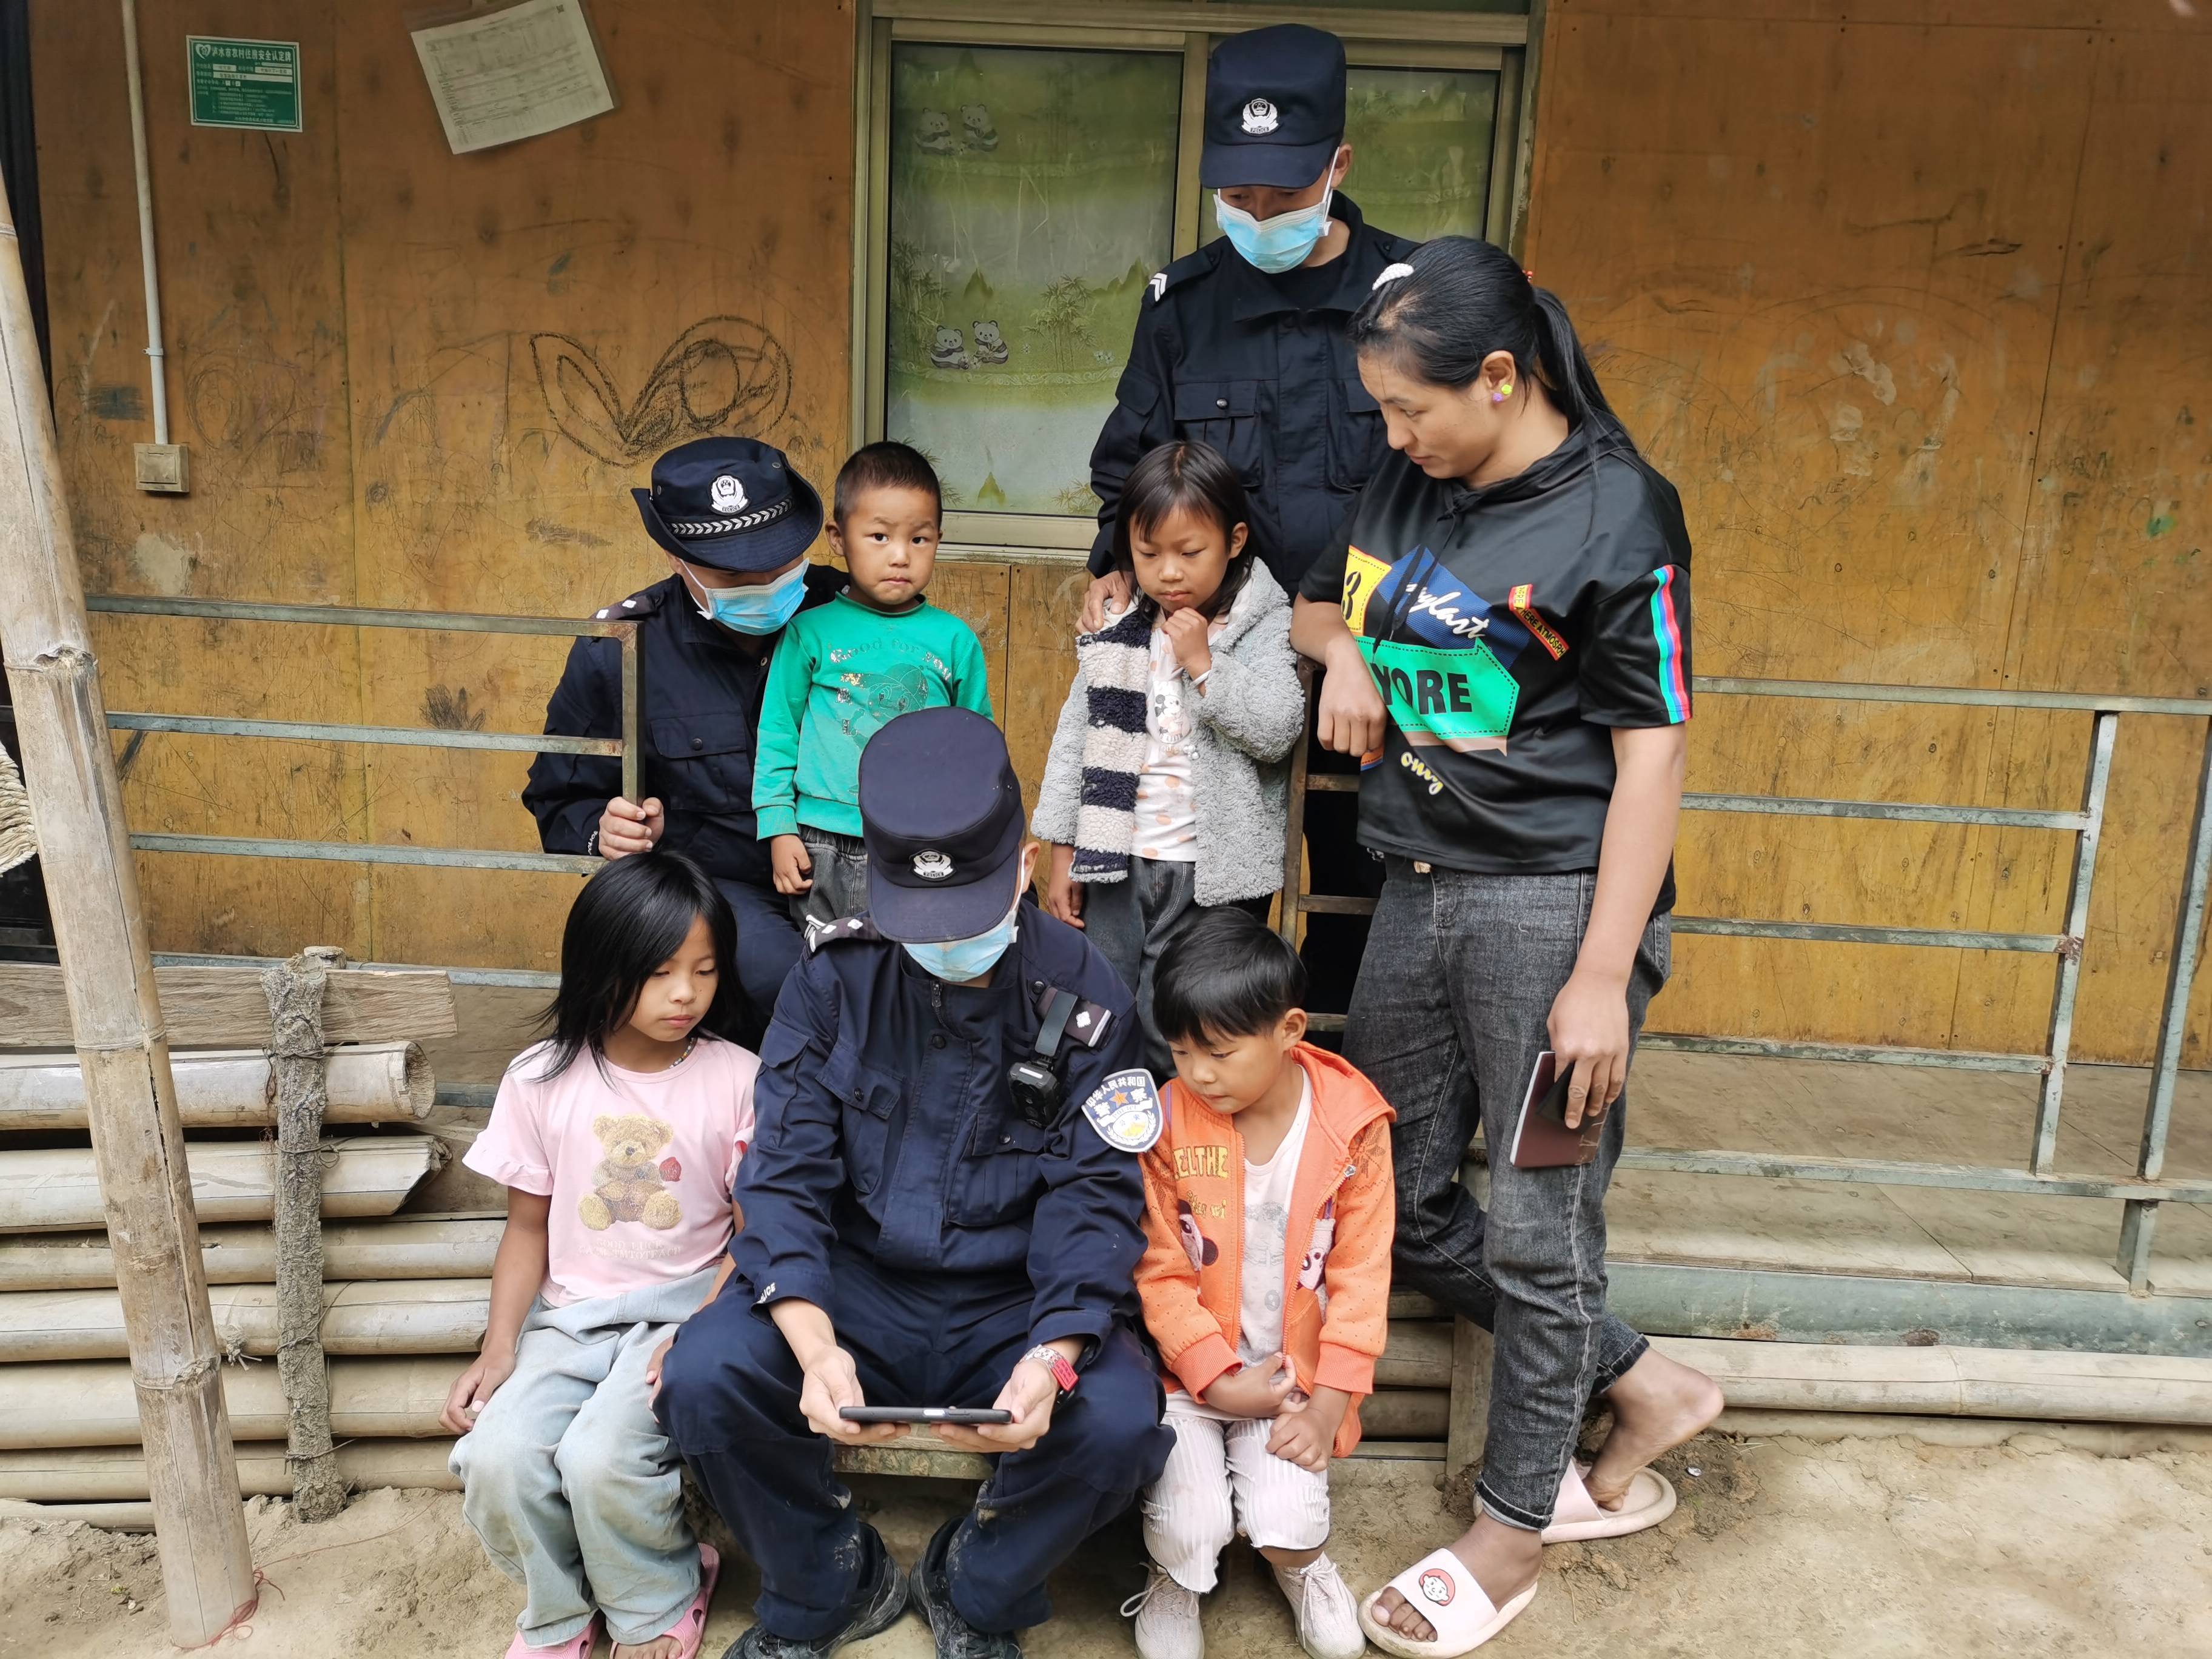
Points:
[(89, 1403), (403, 1317), (115, 1018), (58, 1189), (228, 1088), (403, 1247), (118, 1475)]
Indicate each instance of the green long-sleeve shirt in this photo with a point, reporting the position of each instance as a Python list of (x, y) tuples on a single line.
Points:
[(842, 670)]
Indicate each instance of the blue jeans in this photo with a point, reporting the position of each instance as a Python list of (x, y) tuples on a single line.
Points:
[(567, 1480), (1448, 1020)]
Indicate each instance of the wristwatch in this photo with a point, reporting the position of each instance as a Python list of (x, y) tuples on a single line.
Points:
[(1053, 1360)]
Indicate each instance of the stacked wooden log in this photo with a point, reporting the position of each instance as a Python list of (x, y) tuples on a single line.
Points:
[(407, 1283), (405, 1298)]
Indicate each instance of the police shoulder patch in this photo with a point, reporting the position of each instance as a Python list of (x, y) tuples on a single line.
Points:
[(1126, 1111), (629, 609), (820, 932)]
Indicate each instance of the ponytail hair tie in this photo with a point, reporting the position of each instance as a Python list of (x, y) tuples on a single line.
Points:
[(1391, 274)]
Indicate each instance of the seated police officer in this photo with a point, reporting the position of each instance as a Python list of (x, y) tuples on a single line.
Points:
[(735, 520), (943, 1207)]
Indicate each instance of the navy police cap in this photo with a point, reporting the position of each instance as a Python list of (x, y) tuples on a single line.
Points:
[(1274, 108), (941, 817), (729, 504)]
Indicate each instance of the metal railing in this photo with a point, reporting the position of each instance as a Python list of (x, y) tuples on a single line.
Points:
[(452, 622), (2142, 1194)]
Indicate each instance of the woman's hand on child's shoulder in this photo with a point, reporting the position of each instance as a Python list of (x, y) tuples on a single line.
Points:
[(1110, 593), (474, 1386), (1254, 1390)]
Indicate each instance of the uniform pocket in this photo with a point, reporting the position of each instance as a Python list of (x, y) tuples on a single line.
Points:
[(1357, 438), (997, 1180), (1226, 414), (705, 762), (865, 1099)]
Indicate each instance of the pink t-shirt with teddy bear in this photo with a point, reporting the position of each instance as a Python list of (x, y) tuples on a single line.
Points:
[(640, 1165)]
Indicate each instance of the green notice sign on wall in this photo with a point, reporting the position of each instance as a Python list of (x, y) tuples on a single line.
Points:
[(244, 83)]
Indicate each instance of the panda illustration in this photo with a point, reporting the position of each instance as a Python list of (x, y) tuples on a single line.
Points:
[(1316, 1258), (935, 133), (1204, 1252), (990, 345), (976, 119), (950, 350)]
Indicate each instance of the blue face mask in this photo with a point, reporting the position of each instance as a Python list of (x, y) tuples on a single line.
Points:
[(962, 959), (761, 609), (1277, 243)]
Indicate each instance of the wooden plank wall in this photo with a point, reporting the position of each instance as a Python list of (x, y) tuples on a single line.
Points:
[(417, 380), (1916, 307), (1911, 305)]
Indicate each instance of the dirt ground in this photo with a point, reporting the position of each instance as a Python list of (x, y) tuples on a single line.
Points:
[(1780, 1548)]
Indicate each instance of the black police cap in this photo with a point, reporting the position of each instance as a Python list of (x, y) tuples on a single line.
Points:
[(729, 504), (941, 817), (1274, 108)]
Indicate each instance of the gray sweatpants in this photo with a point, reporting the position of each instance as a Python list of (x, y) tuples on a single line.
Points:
[(1132, 921), (568, 1480), (840, 877)]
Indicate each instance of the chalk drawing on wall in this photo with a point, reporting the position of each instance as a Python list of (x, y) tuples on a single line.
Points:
[(722, 374)]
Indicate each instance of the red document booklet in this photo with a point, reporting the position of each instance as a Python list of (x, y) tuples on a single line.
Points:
[(1543, 1140)]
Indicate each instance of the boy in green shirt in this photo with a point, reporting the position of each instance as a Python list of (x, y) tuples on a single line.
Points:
[(878, 650)]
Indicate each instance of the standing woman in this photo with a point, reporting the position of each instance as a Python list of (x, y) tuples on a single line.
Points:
[(1505, 625)]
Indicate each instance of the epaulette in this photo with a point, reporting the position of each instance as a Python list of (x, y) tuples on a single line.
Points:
[(820, 932), (1175, 276), (1086, 1026), (637, 605)]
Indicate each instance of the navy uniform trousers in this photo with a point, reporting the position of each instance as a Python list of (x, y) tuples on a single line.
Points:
[(730, 1400)]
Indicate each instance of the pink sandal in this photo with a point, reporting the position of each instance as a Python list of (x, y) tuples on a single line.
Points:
[(578, 1646), (691, 1629)]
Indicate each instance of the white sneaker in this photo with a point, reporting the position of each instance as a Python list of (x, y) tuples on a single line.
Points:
[(1329, 1618), (1167, 1619)]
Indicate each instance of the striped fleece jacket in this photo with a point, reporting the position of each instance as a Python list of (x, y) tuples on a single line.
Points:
[(1244, 725)]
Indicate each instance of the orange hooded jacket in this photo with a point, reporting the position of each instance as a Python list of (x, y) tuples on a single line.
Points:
[(1344, 1212)]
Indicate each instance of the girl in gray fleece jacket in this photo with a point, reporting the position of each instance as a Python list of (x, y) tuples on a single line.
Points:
[(1166, 789)]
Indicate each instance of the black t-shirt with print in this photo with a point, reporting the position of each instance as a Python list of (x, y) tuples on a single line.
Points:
[(1509, 628)]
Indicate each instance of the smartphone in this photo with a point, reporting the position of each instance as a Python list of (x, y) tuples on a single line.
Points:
[(966, 1417), (1553, 1104), (1542, 1140)]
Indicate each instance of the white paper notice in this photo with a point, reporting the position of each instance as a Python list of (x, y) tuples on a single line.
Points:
[(513, 73)]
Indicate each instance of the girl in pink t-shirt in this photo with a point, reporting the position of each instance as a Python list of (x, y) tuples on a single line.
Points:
[(617, 1140)]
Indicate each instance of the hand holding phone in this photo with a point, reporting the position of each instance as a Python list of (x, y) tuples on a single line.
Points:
[(1542, 1140)]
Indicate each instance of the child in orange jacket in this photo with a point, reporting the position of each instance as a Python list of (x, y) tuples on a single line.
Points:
[(1265, 1281)]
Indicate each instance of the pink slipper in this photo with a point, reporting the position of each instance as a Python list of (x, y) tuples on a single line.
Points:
[(578, 1646), (1577, 1515), (691, 1630), (1447, 1597)]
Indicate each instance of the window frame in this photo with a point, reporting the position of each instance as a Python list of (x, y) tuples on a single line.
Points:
[(1494, 42)]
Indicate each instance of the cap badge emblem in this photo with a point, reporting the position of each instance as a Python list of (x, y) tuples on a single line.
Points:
[(932, 866), (1260, 117), (727, 495)]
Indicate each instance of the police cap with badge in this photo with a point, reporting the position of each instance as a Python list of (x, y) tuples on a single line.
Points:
[(1274, 108), (941, 817), (729, 504)]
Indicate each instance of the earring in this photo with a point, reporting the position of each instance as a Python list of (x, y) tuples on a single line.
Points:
[(1502, 393)]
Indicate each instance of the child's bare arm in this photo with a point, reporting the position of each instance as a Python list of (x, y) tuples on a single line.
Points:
[(518, 1273)]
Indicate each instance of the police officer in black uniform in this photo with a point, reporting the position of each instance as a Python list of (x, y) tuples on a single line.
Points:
[(735, 520), (1241, 344), (943, 1208)]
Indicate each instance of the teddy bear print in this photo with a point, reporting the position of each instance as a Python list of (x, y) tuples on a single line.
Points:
[(628, 1184), (949, 350), (990, 345), (982, 132), (1204, 1252)]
